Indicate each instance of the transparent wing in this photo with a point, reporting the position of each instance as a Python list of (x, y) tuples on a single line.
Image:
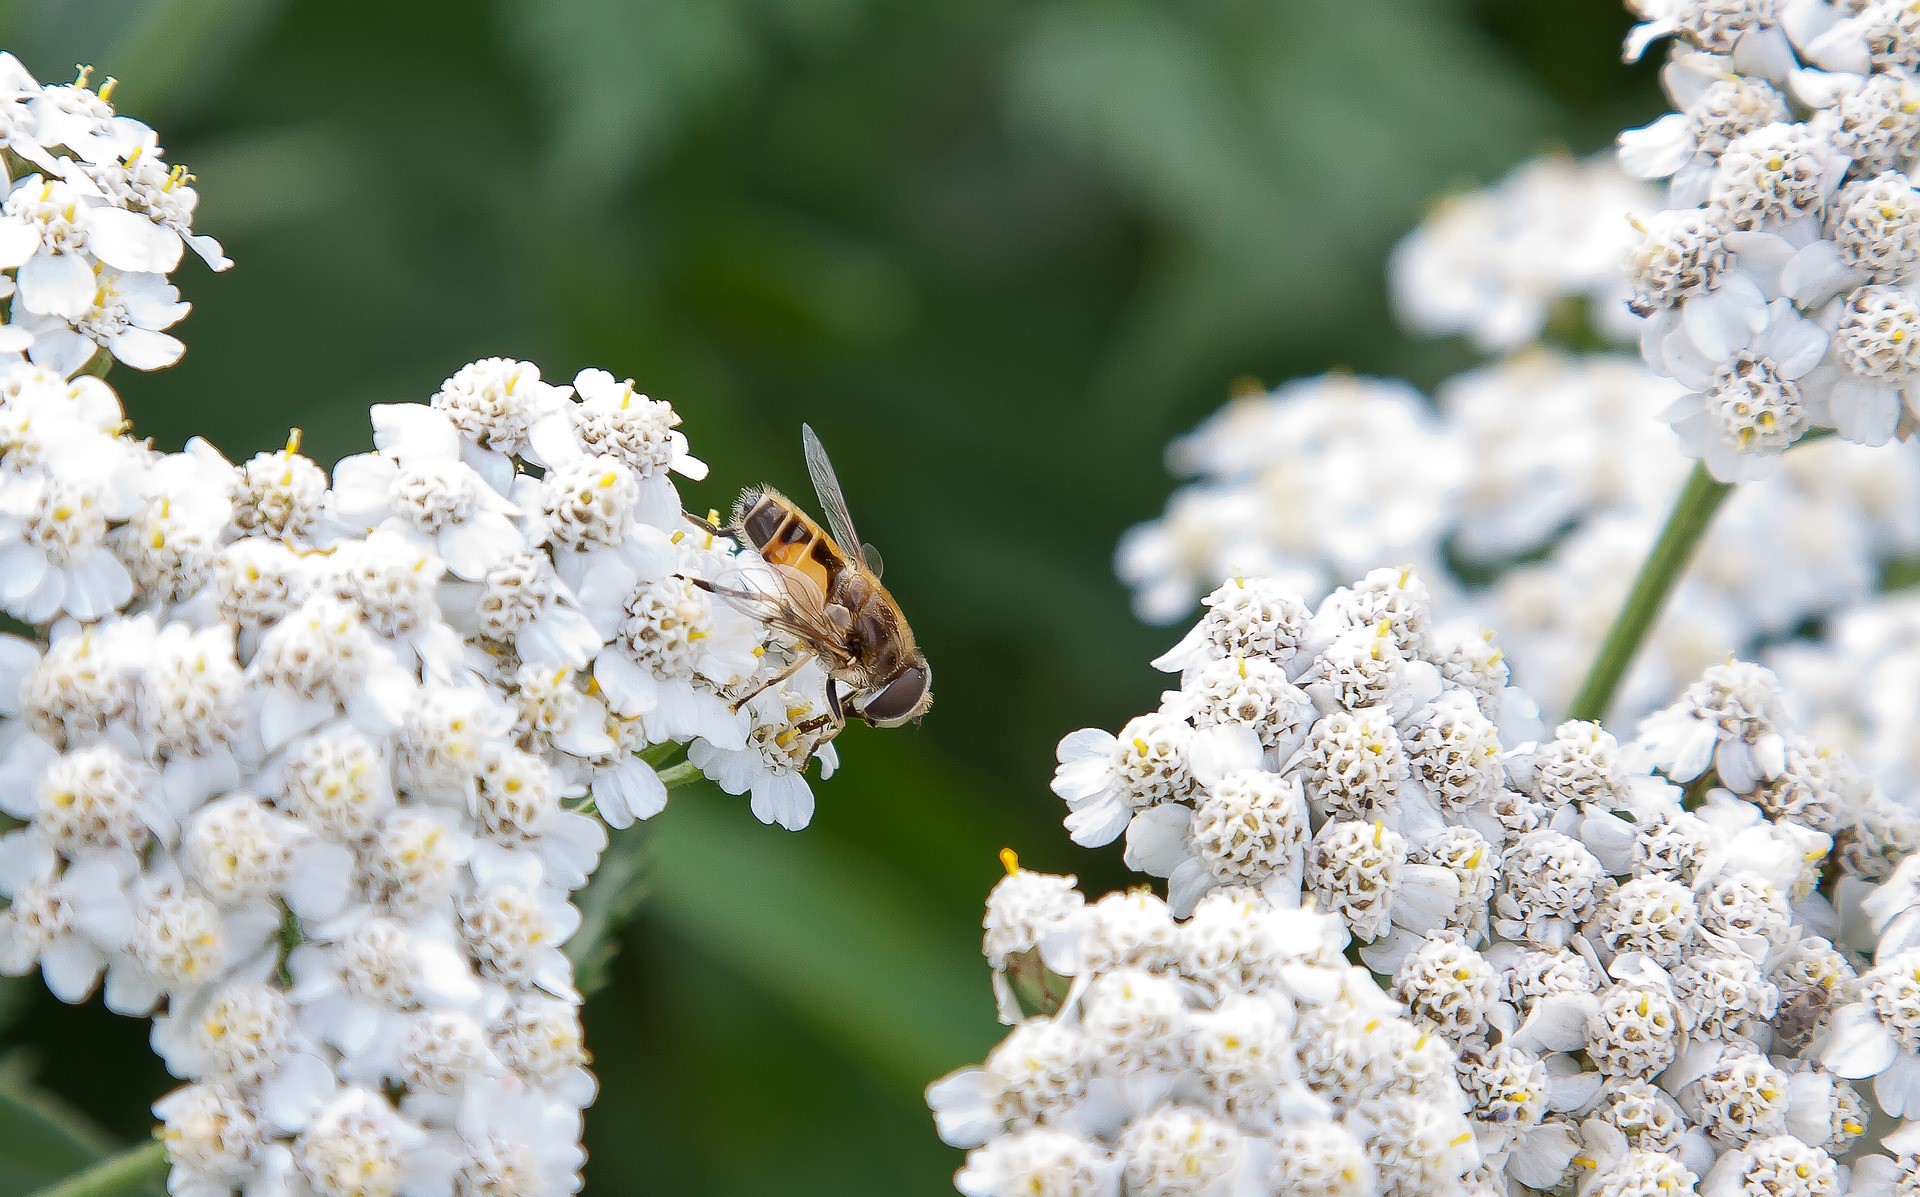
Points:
[(795, 606), (872, 555), (827, 485)]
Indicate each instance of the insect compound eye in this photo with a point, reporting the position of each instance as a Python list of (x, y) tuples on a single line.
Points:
[(901, 699)]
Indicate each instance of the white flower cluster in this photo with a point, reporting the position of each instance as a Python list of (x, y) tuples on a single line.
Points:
[(1234, 1053), (1322, 479), (307, 770), (1778, 280), (1858, 686), (1303, 748), (1500, 264), (92, 223), (1529, 503), (1552, 442), (1635, 952), (1808, 541)]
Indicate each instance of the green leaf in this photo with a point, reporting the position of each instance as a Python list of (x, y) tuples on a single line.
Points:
[(1272, 149), (171, 55), (827, 929), (621, 78), (43, 1140), (611, 898)]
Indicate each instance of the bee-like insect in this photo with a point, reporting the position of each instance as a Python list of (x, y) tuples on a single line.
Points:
[(1802, 1012), (830, 599)]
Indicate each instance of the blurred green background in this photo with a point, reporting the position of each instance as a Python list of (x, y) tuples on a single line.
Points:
[(997, 251)]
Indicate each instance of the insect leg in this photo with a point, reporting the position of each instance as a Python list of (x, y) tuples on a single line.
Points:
[(705, 525), (770, 683), (729, 591), (820, 721)]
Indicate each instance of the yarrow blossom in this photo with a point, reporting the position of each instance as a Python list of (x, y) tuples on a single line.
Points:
[(1642, 964), (93, 222), (1560, 476), (308, 772), (1318, 480), (1777, 280), (1680, 959), (1235, 1052), (1500, 264), (308, 769)]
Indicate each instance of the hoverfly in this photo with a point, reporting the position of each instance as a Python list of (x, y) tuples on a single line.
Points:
[(1801, 1013), (830, 599)]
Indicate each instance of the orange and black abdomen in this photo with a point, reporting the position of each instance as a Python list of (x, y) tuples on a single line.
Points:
[(786, 536)]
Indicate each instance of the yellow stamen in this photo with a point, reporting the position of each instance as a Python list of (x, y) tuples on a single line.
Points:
[(106, 89), (294, 437), (1010, 861)]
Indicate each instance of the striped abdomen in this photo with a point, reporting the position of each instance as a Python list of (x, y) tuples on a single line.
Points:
[(786, 536)]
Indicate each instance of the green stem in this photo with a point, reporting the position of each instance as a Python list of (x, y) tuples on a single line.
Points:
[(1661, 571), (680, 774), (116, 1174), (99, 363)]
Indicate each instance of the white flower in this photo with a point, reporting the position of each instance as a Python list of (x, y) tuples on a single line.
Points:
[(1633, 1030), (355, 983), (359, 1144), (1104, 778), (1038, 1075), (514, 930), (1039, 1163), (55, 554), (1322, 479), (494, 402), (62, 922), (521, 601), (214, 1139), (1745, 404), (151, 218), (1879, 1036), (419, 484), (1729, 721), (1748, 30), (125, 313), (1781, 1165), (1714, 106), (1174, 1150), (772, 766), (611, 417), (1492, 264), (44, 235)]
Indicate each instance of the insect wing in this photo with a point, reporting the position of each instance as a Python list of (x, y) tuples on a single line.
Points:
[(788, 600), (827, 486)]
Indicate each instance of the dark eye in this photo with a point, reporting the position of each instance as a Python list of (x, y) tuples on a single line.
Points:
[(900, 699)]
